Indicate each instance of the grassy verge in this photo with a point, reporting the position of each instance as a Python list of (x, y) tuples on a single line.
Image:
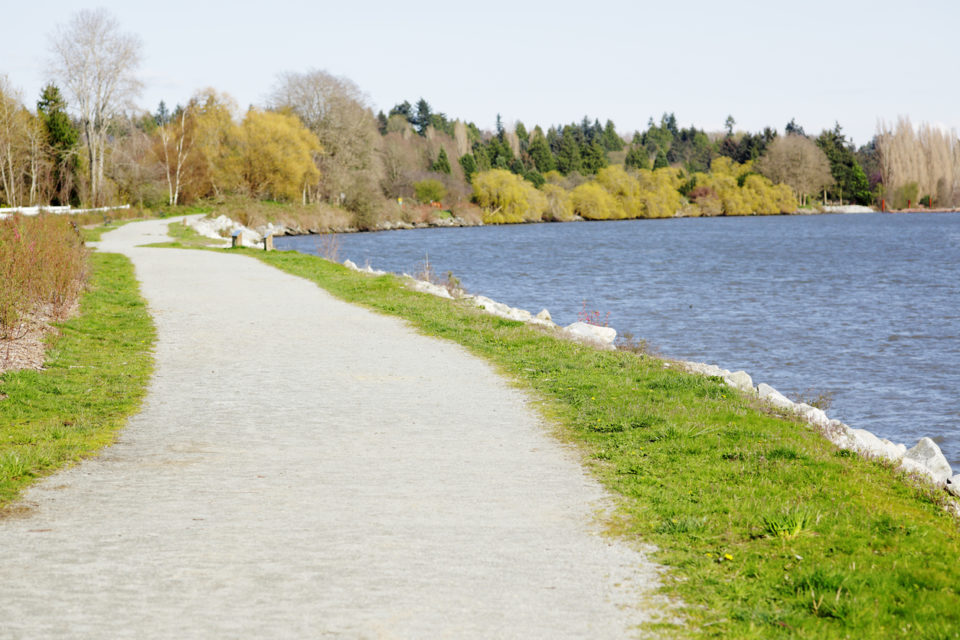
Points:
[(185, 237), (768, 530), (95, 377)]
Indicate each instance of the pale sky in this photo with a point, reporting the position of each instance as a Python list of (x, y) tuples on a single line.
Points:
[(763, 61)]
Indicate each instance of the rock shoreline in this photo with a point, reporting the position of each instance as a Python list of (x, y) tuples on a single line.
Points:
[(924, 461), (251, 237)]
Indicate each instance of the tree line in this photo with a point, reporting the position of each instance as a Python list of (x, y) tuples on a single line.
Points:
[(317, 141)]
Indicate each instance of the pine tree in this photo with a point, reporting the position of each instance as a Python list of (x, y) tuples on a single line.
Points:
[(422, 118), (611, 141), (568, 155), (61, 136), (469, 165), (540, 154), (661, 160), (593, 157), (637, 158), (442, 163)]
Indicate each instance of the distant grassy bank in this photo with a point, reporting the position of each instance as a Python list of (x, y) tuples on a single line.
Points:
[(768, 530), (94, 378)]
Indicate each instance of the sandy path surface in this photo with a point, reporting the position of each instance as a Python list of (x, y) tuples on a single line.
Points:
[(306, 468)]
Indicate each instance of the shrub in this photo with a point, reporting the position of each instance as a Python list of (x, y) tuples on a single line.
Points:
[(593, 202), (430, 190), (506, 197), (42, 267), (559, 206)]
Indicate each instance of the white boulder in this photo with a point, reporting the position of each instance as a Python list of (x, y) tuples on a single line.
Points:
[(704, 369), (953, 485), (869, 445), (927, 459), (499, 309), (433, 289), (739, 380), (592, 333), (350, 264), (217, 227), (774, 397), (812, 415)]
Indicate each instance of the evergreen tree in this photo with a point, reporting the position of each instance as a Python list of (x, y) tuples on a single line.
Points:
[(469, 165), (728, 124), (850, 180), (661, 160), (421, 120), (669, 122), (568, 154), (534, 177), (62, 137), (382, 123), (162, 116), (611, 141), (793, 129), (637, 157), (540, 154), (522, 134), (442, 163), (403, 109), (593, 157), (481, 157)]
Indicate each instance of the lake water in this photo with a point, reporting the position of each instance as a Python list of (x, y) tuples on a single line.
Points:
[(865, 307)]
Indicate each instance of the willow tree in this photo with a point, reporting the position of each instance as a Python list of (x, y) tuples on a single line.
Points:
[(277, 155), (97, 64)]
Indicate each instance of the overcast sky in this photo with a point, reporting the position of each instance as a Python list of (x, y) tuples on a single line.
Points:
[(764, 62)]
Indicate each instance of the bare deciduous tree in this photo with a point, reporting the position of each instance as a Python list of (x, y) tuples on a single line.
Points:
[(919, 162), (797, 162), (96, 63), (335, 110), (176, 139), (11, 142)]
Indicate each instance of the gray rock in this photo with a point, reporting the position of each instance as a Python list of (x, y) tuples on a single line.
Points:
[(927, 459), (544, 315)]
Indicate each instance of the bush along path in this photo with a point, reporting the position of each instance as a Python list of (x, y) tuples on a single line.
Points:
[(303, 467), (768, 529)]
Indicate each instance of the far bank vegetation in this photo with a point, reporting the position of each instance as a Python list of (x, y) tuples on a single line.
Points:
[(317, 148)]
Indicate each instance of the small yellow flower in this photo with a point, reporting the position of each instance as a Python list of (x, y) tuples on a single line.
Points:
[(728, 556)]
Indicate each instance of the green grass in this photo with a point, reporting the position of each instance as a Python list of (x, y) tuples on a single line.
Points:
[(766, 530), (185, 237), (94, 234), (95, 377)]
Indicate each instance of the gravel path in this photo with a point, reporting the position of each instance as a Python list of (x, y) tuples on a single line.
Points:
[(306, 468)]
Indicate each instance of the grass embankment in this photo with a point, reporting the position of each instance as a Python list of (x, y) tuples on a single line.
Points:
[(768, 530), (95, 377)]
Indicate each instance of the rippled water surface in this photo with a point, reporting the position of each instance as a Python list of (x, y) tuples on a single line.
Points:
[(865, 307)]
